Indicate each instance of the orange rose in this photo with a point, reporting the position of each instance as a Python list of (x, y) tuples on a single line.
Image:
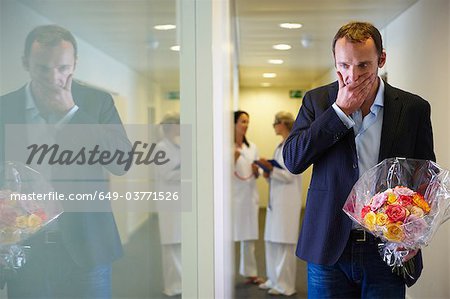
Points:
[(421, 203)]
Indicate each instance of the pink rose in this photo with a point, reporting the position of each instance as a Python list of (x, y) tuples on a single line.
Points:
[(400, 190), (377, 201), (396, 213), (414, 227)]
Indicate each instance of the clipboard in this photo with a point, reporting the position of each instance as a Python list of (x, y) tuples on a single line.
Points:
[(264, 168)]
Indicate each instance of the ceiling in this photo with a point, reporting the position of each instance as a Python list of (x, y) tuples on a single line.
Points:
[(258, 27), (124, 30)]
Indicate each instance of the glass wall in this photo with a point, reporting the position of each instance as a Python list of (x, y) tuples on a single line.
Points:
[(129, 50)]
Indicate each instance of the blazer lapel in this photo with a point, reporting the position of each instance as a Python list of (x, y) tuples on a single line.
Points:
[(391, 116), (15, 108)]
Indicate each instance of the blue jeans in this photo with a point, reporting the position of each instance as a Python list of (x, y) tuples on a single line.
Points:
[(359, 273), (51, 273)]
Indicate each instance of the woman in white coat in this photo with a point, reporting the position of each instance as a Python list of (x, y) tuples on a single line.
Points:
[(245, 198), (170, 221), (283, 216)]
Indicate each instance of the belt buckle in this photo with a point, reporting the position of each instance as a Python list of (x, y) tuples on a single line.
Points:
[(363, 239), (50, 237)]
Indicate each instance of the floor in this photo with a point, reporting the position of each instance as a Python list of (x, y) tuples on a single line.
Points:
[(253, 292), (138, 274)]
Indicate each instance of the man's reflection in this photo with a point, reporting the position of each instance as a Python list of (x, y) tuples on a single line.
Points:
[(73, 257)]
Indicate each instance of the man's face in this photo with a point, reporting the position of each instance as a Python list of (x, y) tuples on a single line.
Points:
[(51, 65), (355, 59)]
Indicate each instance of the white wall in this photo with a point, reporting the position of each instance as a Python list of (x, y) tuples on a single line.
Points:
[(262, 104), (223, 60), (417, 45)]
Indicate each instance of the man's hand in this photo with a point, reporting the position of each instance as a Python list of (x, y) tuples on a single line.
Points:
[(410, 255), (53, 99), (351, 96)]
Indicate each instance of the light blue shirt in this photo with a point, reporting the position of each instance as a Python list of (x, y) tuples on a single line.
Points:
[(367, 130)]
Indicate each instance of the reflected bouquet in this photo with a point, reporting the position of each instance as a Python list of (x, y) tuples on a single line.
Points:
[(20, 217), (403, 202)]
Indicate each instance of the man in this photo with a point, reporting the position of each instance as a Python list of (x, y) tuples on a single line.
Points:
[(343, 129), (73, 258)]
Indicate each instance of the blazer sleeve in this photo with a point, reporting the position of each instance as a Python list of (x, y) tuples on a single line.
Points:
[(424, 142), (316, 129), (97, 108)]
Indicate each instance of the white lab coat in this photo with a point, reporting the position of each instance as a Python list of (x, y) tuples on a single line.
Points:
[(284, 207), (170, 175), (245, 196)]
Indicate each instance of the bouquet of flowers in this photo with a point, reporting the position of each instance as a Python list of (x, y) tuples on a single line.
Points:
[(403, 202), (21, 217)]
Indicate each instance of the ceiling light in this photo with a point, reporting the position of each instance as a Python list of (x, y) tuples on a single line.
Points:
[(306, 41), (152, 44), (165, 27), (175, 48), (266, 84), (275, 61), (291, 25), (269, 75), (281, 47)]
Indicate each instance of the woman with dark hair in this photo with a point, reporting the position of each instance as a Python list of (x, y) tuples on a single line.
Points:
[(245, 198)]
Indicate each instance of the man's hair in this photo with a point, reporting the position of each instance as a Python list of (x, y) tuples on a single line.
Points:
[(359, 32), (49, 35)]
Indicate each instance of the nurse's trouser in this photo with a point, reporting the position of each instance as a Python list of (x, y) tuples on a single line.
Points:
[(247, 266)]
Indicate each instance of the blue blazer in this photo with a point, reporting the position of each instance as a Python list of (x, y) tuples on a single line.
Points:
[(319, 138)]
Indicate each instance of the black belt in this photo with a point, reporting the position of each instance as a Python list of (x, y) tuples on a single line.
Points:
[(44, 237), (51, 237), (361, 236)]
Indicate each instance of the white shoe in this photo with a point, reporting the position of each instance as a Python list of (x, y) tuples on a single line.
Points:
[(265, 285), (290, 294), (171, 293), (276, 293)]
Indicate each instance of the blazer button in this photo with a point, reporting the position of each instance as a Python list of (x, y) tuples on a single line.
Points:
[(355, 165)]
